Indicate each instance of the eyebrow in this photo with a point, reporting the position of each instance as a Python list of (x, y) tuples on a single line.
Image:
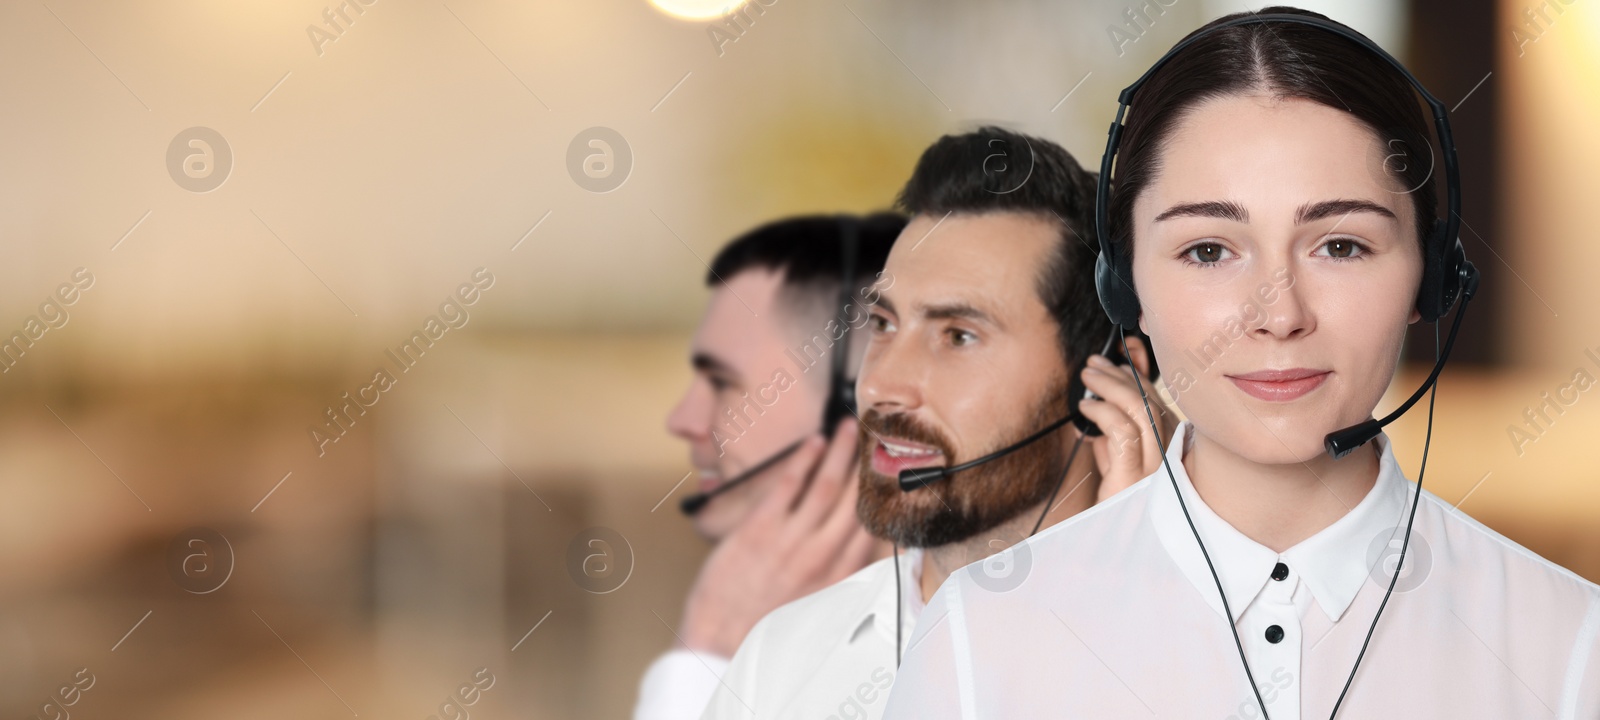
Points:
[(1309, 212), (959, 311), (708, 363), (947, 311), (1225, 209), (1329, 208)]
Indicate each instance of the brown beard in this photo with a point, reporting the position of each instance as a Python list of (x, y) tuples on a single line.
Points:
[(968, 502)]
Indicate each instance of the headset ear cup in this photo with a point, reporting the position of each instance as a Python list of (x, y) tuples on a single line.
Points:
[(1116, 295), (1455, 268), (1431, 293)]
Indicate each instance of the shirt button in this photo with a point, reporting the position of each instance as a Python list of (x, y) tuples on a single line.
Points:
[(1280, 571), (1274, 634)]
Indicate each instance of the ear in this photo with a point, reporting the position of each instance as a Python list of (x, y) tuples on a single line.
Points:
[(1140, 356), (1416, 315)]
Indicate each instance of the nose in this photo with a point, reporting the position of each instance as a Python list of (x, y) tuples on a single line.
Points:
[(892, 376), (1286, 312), (691, 419)]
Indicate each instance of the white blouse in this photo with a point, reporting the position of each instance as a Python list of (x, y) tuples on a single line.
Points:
[(1119, 617)]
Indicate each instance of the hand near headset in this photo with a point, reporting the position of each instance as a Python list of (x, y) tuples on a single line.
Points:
[(1127, 452), (803, 536)]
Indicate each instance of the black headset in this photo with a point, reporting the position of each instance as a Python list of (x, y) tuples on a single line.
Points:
[(1446, 273), (841, 388), (1447, 276), (913, 478), (841, 401)]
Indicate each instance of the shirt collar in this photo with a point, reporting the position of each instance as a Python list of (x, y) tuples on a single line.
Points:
[(881, 600), (1333, 562)]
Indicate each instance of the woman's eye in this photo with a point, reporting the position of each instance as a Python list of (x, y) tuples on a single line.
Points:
[(1207, 253), (1343, 249)]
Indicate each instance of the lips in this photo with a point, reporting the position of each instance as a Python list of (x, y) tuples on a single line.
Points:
[(890, 455), (1280, 385), (709, 480)]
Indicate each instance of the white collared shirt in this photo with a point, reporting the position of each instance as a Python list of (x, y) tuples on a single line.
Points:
[(678, 684), (827, 656), (1119, 617)]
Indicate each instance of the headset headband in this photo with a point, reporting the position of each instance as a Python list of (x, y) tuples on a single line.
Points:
[(841, 392), (1121, 302)]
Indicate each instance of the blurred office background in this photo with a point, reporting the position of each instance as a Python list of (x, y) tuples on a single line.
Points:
[(353, 164)]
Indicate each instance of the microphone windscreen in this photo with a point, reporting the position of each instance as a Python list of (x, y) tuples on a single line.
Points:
[(913, 478), (692, 504), (1341, 442)]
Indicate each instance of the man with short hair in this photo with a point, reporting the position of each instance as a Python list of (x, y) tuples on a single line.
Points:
[(764, 356), (972, 351)]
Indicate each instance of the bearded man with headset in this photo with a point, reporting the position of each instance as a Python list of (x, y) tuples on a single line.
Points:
[(966, 393)]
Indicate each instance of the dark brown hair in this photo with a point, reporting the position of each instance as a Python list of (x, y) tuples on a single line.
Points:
[(809, 252), (965, 174), (1284, 60)]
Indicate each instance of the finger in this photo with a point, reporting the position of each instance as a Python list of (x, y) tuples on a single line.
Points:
[(1122, 437), (842, 518), (1115, 384), (1115, 475), (1141, 357), (792, 474), (1139, 388), (831, 476), (1113, 423), (1153, 438), (1101, 447), (817, 552), (1117, 387), (1115, 481)]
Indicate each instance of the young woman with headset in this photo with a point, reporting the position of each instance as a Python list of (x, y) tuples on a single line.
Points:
[(1274, 215)]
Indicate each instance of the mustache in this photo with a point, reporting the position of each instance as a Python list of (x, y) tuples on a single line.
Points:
[(903, 426)]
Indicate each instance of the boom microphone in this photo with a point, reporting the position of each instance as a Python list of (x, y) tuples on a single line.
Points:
[(841, 402), (1340, 443), (692, 504), (913, 478)]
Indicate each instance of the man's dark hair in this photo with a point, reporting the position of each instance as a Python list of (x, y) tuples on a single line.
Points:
[(809, 251), (996, 170)]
